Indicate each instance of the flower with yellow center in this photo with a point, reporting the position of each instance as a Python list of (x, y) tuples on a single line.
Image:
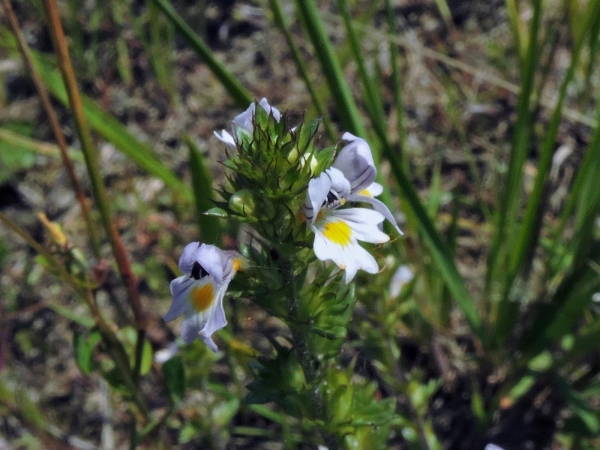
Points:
[(198, 293), (337, 231)]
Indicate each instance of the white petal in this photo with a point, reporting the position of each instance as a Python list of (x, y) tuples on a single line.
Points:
[(363, 223), (209, 342), (318, 188), (356, 162), (379, 207), (166, 354), (270, 109), (180, 290), (244, 120), (217, 319), (226, 138), (231, 262), (351, 257), (191, 328), (373, 190), (402, 276), (187, 260), (196, 321), (493, 447), (339, 183)]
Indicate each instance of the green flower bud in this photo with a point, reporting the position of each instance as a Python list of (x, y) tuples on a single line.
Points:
[(243, 203)]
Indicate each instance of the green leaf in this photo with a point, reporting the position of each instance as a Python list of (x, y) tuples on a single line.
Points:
[(84, 350), (84, 321), (175, 379), (14, 156)]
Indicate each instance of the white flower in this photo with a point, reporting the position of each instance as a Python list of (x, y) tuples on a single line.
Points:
[(402, 276), (337, 231), (355, 161), (162, 356), (244, 121), (198, 294)]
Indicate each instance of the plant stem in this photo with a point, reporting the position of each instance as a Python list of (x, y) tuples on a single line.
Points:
[(54, 124), (299, 339), (91, 160)]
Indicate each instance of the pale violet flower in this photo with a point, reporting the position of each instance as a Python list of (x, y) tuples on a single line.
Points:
[(244, 121), (198, 294)]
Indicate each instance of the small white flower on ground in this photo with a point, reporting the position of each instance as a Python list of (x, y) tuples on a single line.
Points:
[(402, 276), (337, 231), (198, 293), (493, 447), (244, 121), (166, 354)]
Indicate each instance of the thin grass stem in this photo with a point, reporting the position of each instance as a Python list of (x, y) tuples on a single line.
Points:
[(302, 68), (55, 125)]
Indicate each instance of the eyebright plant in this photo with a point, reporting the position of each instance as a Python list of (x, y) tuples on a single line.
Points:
[(285, 189)]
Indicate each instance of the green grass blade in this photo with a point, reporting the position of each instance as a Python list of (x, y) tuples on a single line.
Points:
[(203, 195), (302, 69), (522, 255), (440, 252), (116, 133), (397, 87), (555, 318), (506, 215), (231, 84), (43, 148), (528, 236), (585, 184), (371, 96), (345, 105)]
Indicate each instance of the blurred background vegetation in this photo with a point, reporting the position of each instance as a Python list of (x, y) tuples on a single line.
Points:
[(483, 117)]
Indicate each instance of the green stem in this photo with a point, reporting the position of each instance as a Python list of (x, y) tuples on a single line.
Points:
[(299, 339), (91, 160)]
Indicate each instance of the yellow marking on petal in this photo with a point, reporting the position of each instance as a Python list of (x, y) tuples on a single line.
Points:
[(236, 265), (338, 232), (342, 201), (365, 192), (202, 297)]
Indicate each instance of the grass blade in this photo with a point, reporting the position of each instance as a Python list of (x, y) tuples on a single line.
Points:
[(116, 133), (239, 94), (202, 184), (345, 105), (297, 56)]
